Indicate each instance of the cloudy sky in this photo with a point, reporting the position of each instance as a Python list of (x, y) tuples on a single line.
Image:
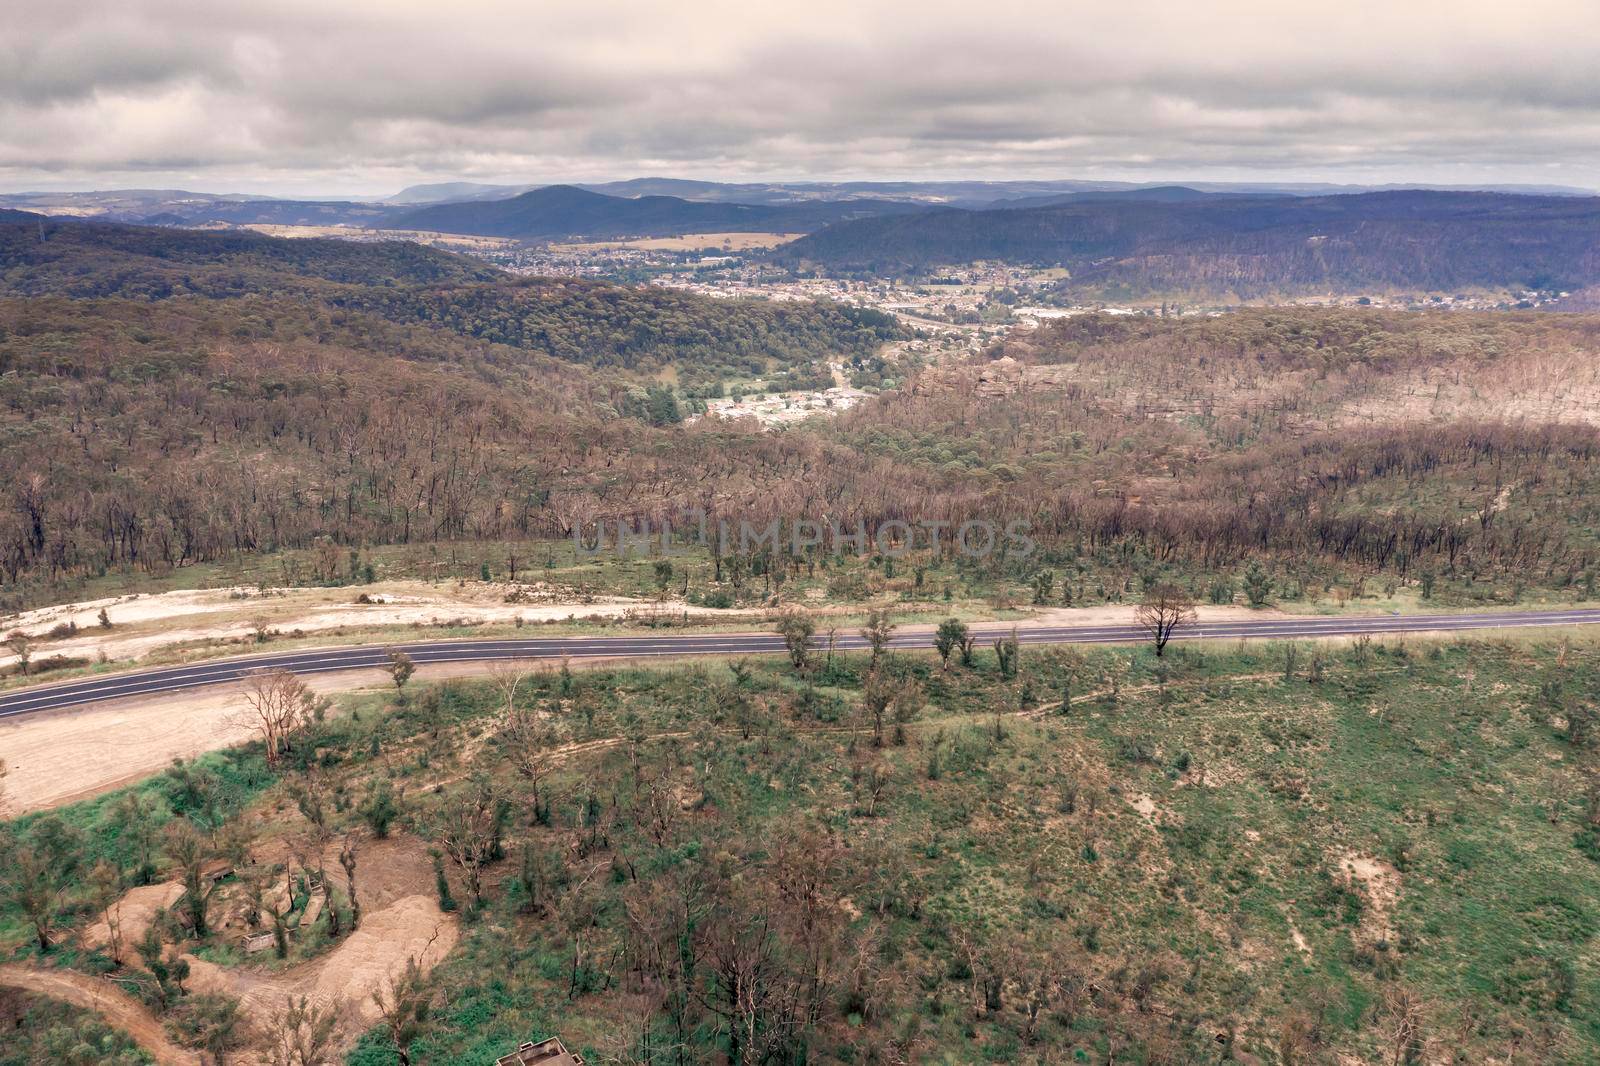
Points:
[(361, 97)]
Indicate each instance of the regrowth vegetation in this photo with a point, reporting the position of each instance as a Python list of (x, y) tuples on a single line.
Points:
[(1275, 852)]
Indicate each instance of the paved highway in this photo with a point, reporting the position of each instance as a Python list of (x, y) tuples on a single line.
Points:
[(325, 660)]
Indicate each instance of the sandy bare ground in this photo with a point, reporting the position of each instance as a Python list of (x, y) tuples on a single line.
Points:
[(119, 1009), (400, 920), (1115, 614), (134, 912), (119, 742), (65, 756), (58, 758), (347, 976), (141, 624)]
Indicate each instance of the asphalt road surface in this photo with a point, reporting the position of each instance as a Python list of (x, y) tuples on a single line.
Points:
[(325, 660)]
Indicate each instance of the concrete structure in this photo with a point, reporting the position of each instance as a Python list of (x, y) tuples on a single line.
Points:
[(545, 1053)]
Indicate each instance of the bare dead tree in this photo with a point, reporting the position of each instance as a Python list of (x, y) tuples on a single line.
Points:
[(1401, 1021), (308, 797), (507, 677), (468, 828), (759, 1001), (280, 706), (528, 742), (302, 1034), (1165, 608), (347, 860), (404, 1006)]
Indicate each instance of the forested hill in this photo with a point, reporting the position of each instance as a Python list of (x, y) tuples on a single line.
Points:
[(1246, 246), (594, 323), (606, 325), (91, 259)]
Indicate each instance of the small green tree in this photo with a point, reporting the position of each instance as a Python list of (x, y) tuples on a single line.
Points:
[(797, 630), (951, 634), (404, 1008), (877, 695), (106, 881), (22, 647), (380, 808), (210, 1022), (302, 1034), (878, 632), (1008, 652), (188, 850), (1257, 585), (400, 670)]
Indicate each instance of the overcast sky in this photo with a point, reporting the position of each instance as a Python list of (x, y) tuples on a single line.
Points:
[(357, 96)]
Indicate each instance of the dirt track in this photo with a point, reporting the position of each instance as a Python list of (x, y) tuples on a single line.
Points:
[(119, 1009)]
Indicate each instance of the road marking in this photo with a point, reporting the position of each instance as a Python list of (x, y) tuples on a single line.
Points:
[(357, 657)]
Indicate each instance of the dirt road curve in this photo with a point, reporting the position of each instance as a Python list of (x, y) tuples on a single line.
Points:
[(119, 1009)]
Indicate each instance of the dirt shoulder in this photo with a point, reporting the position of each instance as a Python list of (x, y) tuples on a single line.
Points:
[(60, 757), (141, 625)]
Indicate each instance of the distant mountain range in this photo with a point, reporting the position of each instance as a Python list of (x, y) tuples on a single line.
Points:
[(558, 211), (829, 202), (1244, 246), (551, 212), (1118, 243), (949, 193)]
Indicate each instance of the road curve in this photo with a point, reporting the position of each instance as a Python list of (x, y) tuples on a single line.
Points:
[(325, 660)]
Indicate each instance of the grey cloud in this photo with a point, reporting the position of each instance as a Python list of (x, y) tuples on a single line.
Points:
[(367, 94)]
